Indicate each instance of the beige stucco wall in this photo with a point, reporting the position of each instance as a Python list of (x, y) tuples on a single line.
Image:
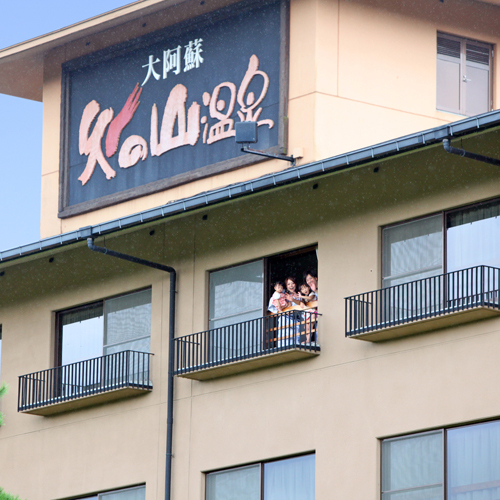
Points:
[(338, 404), (361, 72)]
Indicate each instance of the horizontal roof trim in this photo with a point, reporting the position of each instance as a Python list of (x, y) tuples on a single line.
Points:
[(291, 175)]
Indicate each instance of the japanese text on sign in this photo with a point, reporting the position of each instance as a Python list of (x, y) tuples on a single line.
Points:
[(189, 130), (172, 60)]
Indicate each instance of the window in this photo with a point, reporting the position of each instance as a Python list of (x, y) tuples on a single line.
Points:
[(463, 75), (249, 326), (441, 263), (109, 326), (415, 250), (461, 463), (236, 294), (241, 294), (0, 352), (432, 268), (289, 479), (138, 493), (93, 339)]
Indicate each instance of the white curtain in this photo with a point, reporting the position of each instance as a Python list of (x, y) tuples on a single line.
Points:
[(472, 238), (234, 484), (138, 493), (412, 250), (291, 479), (474, 462), (412, 467), (236, 296), (127, 322)]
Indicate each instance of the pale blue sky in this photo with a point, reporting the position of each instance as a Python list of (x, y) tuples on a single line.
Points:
[(21, 120)]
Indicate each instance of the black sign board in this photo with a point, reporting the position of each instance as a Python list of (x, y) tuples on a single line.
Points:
[(160, 111)]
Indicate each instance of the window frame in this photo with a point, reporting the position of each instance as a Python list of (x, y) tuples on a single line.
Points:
[(463, 69), (262, 464), (97, 496), (58, 322), (266, 272), (409, 436), (445, 454), (444, 214)]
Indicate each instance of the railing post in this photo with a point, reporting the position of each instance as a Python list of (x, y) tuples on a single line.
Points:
[(483, 291), (127, 369)]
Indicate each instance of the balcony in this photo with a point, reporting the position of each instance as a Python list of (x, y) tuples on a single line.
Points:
[(93, 381), (261, 342), (424, 305)]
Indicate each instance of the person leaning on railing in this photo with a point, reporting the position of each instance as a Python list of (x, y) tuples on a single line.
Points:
[(285, 329), (278, 299), (311, 278)]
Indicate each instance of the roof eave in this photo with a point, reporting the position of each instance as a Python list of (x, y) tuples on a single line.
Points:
[(354, 159), (29, 55)]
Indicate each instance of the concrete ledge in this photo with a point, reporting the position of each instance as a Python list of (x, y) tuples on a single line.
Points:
[(245, 365), (427, 324), (54, 406)]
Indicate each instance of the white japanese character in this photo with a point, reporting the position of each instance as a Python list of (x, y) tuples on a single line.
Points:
[(192, 56), (171, 61), (151, 70)]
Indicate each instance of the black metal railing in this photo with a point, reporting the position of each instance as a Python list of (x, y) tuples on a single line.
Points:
[(249, 339), (426, 298), (85, 378)]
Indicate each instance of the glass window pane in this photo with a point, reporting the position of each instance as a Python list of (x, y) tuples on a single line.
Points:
[(474, 462), (138, 364), (141, 345), (82, 332), (128, 494), (235, 484), (291, 479), (412, 250), (413, 462), (472, 237), (430, 493), (236, 293), (127, 317)]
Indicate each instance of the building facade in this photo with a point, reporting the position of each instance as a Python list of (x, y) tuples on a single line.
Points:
[(145, 356)]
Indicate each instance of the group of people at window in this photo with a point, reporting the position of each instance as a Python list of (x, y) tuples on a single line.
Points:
[(299, 300)]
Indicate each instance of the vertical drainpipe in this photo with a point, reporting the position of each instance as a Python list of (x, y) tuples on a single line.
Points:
[(171, 345)]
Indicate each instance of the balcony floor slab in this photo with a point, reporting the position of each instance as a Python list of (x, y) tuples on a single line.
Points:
[(54, 406), (427, 324), (245, 365)]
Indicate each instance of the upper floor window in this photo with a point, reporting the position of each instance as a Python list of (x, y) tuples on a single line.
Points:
[(102, 353), (290, 479), (461, 463), (252, 321), (247, 292), (241, 293), (463, 75), (458, 239), (105, 327)]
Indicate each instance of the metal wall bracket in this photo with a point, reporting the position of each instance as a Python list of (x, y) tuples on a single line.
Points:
[(291, 159), (467, 154)]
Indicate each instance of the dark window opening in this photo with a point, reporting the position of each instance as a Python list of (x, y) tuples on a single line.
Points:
[(291, 264)]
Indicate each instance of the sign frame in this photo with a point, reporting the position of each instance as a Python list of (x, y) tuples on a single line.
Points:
[(66, 210)]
